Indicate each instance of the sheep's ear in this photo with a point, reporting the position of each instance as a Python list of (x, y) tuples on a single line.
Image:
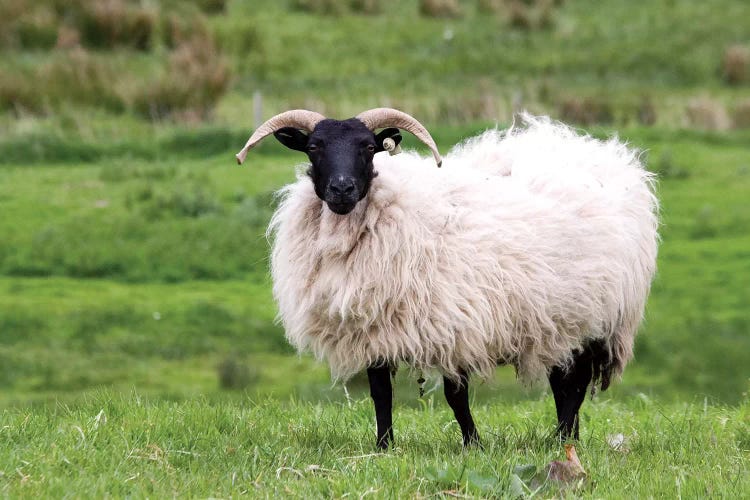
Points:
[(392, 133), (292, 138)]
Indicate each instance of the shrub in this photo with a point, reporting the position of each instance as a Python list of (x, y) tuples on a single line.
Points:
[(586, 111), (79, 77), (707, 114), (196, 77), (439, 8), (37, 30), (111, 23), (177, 29), (735, 67)]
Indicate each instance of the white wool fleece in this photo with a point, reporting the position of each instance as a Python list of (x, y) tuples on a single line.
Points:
[(522, 247)]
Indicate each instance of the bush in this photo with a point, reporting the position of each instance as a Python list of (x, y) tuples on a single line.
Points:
[(735, 68), (196, 77), (80, 77), (440, 8), (112, 23), (37, 30)]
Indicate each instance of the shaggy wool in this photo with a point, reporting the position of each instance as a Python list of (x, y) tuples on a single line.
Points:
[(524, 246)]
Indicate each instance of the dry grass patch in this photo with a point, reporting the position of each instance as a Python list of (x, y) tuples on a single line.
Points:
[(707, 114)]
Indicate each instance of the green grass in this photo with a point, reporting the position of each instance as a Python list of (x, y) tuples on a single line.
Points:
[(138, 350), (116, 446)]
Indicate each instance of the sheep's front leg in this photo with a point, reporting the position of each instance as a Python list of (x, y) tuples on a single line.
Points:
[(381, 392), (457, 395)]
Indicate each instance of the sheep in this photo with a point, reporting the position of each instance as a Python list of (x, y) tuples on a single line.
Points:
[(534, 247)]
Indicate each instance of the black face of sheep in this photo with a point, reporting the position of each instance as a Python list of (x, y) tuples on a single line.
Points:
[(340, 154)]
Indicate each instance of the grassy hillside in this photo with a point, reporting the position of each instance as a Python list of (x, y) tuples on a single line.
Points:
[(113, 445), (671, 63)]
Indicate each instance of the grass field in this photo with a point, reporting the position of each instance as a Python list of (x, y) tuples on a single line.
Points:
[(114, 445), (138, 350)]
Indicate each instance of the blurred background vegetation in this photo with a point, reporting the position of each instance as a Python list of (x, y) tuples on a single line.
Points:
[(132, 250)]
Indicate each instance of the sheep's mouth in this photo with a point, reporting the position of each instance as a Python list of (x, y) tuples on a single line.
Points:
[(341, 208)]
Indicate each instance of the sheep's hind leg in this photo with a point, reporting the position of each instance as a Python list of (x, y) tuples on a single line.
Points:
[(381, 392), (569, 388), (457, 395)]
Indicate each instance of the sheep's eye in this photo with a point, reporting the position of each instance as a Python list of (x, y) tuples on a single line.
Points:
[(312, 148), (371, 148)]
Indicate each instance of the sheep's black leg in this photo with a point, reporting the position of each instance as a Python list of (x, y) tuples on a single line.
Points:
[(381, 392), (457, 395), (569, 388)]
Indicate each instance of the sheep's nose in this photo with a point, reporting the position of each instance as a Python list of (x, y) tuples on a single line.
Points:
[(342, 186)]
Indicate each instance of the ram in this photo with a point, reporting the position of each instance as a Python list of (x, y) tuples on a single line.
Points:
[(534, 247)]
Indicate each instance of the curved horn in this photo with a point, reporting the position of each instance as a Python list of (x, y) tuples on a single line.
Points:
[(297, 118), (389, 117)]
